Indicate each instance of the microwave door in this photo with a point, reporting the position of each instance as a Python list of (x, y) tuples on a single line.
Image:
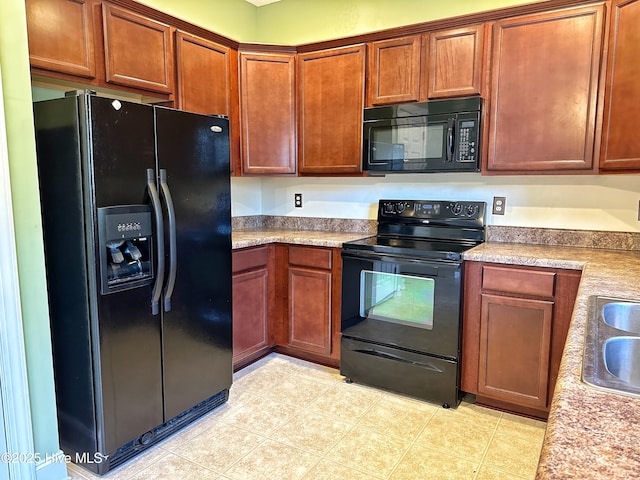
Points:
[(409, 144)]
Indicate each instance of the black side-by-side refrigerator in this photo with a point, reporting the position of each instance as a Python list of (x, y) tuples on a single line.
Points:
[(136, 214)]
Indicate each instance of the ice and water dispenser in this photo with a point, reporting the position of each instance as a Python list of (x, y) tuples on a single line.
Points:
[(125, 246)]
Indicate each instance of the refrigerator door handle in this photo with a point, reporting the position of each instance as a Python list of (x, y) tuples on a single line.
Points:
[(157, 209), (173, 258)]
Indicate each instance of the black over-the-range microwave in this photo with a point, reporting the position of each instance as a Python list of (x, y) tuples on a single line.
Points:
[(436, 136)]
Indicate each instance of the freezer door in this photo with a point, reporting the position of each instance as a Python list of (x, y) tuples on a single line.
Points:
[(127, 338), (194, 151)]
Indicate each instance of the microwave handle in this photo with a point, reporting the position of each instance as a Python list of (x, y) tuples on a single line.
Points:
[(450, 136)]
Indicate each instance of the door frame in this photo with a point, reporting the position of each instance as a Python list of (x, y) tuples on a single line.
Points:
[(16, 426)]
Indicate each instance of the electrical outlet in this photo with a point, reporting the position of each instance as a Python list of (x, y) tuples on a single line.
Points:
[(499, 205), (297, 200)]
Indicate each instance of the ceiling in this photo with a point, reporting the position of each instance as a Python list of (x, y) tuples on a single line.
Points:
[(259, 3)]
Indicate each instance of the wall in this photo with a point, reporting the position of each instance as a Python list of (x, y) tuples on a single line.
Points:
[(14, 61), (305, 21), (234, 19), (575, 202)]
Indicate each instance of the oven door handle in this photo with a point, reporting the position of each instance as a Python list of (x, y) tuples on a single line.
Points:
[(389, 356), (381, 257)]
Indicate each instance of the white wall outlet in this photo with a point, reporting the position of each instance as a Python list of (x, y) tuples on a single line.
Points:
[(297, 200), (499, 205)]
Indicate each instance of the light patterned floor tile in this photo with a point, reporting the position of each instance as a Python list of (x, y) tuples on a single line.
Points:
[(272, 460), (523, 427), (173, 467), (424, 464), (124, 471), (346, 401), (398, 416), (288, 419), (312, 432), (513, 454), (327, 470), (369, 451), (472, 414), (218, 447), (447, 435), (258, 415), (487, 473)]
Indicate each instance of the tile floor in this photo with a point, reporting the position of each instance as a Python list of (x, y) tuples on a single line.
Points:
[(289, 419)]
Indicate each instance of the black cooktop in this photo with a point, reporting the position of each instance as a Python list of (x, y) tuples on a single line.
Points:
[(425, 229)]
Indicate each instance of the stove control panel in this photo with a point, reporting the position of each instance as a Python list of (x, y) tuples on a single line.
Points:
[(420, 210)]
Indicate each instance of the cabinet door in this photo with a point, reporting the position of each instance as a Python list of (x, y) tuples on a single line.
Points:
[(544, 87), (393, 71), (250, 300), (455, 62), (250, 303), (620, 139), (61, 36), (310, 309), (331, 102), (515, 344), (138, 51), (205, 74), (267, 110)]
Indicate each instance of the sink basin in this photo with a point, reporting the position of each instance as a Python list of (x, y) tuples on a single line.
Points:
[(611, 359), (623, 316), (622, 358)]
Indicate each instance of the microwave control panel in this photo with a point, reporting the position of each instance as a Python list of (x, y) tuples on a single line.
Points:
[(467, 135)]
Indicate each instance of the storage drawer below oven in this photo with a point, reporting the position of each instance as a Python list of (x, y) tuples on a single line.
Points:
[(421, 376)]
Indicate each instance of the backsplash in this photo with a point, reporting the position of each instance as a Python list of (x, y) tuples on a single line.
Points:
[(567, 238), (275, 222)]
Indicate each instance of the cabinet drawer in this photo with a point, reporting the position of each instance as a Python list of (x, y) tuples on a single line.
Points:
[(517, 280), (249, 258), (310, 257)]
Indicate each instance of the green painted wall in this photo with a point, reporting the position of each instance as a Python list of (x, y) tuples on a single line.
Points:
[(16, 85), (234, 19), (293, 22)]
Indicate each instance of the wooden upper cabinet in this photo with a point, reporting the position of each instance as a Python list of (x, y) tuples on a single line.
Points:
[(61, 36), (544, 90), (455, 62), (138, 50), (205, 72), (331, 102), (267, 113), (620, 149), (393, 71), (207, 75)]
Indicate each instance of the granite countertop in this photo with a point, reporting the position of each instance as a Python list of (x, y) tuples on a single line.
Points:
[(591, 434), (320, 238)]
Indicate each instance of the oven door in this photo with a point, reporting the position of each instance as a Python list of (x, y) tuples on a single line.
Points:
[(402, 302)]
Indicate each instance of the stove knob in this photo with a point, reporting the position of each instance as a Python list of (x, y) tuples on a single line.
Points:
[(471, 210), (388, 208), (456, 208), (400, 207)]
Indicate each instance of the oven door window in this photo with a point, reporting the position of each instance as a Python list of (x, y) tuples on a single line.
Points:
[(397, 298)]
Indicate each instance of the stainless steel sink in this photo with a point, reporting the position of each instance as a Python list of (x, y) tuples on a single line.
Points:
[(622, 358), (623, 316), (611, 358)]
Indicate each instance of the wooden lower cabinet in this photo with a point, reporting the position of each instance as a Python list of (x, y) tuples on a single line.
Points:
[(515, 325), (514, 349), (286, 298), (307, 323), (250, 305)]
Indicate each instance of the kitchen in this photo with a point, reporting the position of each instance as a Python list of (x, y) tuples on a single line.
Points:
[(583, 202)]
